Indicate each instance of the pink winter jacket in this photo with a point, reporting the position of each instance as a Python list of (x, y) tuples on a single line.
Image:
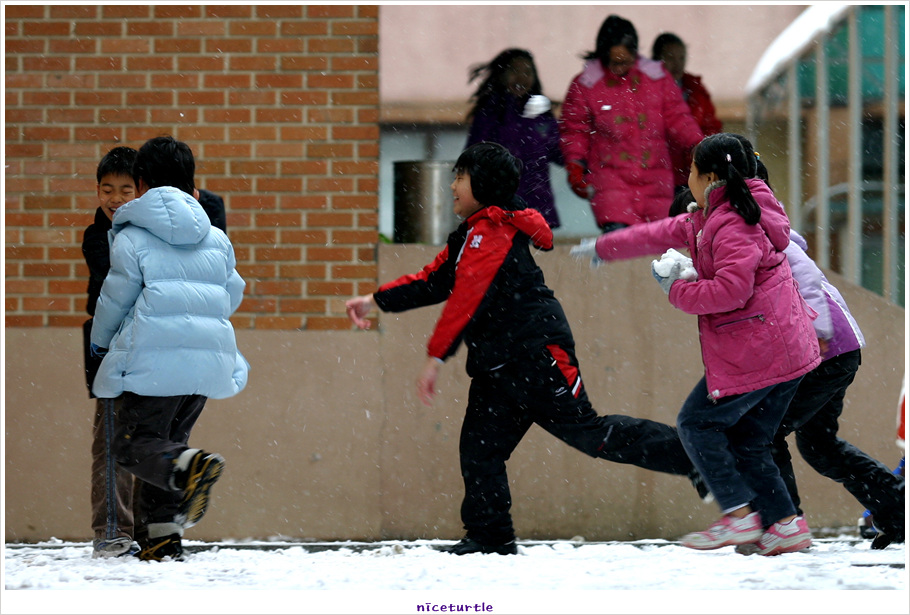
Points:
[(754, 327), (621, 129)]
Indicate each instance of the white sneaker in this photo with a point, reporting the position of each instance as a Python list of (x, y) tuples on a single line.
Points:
[(114, 547), (781, 538), (726, 531)]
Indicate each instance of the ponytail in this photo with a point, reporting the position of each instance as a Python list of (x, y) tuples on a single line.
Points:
[(725, 155)]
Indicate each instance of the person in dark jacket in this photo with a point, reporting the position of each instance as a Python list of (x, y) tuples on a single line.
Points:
[(112, 487), (510, 109), (521, 353)]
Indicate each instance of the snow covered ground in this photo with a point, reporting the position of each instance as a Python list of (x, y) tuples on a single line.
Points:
[(652, 576)]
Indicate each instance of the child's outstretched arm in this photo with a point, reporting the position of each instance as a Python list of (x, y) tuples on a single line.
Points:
[(426, 381), (357, 309)]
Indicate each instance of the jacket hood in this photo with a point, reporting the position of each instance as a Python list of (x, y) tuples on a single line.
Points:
[(529, 221), (799, 240), (774, 221), (168, 213), (593, 70)]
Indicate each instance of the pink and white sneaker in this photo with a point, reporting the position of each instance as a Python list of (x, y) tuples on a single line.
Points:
[(781, 538), (726, 531)]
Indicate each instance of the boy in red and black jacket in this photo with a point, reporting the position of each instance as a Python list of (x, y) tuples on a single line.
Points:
[(521, 356)]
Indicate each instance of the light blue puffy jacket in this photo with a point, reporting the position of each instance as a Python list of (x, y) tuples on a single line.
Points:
[(165, 305)]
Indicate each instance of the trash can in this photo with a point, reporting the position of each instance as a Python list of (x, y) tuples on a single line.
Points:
[(423, 201)]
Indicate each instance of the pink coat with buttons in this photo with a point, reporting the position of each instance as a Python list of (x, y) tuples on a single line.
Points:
[(621, 129), (754, 327)]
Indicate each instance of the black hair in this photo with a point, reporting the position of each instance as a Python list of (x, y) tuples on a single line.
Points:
[(118, 161), (494, 173), (667, 38), (492, 86), (727, 156), (614, 31), (680, 204), (165, 161)]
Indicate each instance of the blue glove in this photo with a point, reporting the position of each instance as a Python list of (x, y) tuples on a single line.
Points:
[(97, 351), (586, 250), (672, 276)]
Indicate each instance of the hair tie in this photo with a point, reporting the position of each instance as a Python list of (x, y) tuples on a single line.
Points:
[(728, 158)]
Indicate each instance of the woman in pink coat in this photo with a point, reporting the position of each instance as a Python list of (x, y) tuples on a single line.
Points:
[(756, 336), (619, 118)]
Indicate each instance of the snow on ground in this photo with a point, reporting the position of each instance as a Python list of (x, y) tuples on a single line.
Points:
[(652, 576)]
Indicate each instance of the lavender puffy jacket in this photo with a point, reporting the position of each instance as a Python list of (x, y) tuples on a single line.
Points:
[(754, 327)]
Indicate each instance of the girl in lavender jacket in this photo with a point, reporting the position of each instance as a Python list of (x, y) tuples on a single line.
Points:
[(756, 338)]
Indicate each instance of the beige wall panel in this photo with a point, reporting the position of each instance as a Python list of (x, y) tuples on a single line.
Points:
[(329, 440)]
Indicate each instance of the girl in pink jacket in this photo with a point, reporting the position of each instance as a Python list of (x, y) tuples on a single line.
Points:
[(620, 117), (756, 336)]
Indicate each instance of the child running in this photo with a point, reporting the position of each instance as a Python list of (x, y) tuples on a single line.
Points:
[(756, 338), (521, 357)]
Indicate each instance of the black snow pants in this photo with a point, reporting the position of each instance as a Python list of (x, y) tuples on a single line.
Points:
[(813, 415), (149, 435), (545, 388)]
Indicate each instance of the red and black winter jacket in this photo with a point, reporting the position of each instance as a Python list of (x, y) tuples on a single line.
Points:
[(496, 297)]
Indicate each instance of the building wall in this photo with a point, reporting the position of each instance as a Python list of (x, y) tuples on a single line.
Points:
[(280, 104), (329, 440), (427, 50)]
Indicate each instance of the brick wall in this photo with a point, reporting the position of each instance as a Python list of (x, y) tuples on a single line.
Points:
[(279, 104)]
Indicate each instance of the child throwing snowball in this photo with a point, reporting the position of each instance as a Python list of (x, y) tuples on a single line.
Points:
[(756, 337), (521, 353)]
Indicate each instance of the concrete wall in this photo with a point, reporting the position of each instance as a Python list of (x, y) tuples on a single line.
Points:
[(329, 440)]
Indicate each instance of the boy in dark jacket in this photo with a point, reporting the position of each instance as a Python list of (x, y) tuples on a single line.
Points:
[(521, 357), (112, 487)]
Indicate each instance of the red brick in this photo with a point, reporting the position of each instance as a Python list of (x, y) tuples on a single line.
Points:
[(279, 11), (177, 12), (279, 45), (45, 28), (329, 11), (302, 306), (330, 45), (228, 45), (278, 254), (305, 236), (303, 201), (337, 288), (304, 97), (128, 11), (30, 320), (328, 323), (279, 287), (98, 28), (306, 27), (226, 11), (157, 28), (329, 254), (125, 45), (67, 46), (252, 28)]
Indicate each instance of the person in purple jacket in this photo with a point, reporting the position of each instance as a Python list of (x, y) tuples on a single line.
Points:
[(756, 336), (815, 409), (511, 110)]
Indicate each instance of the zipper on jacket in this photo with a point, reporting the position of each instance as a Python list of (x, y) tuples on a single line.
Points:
[(760, 317)]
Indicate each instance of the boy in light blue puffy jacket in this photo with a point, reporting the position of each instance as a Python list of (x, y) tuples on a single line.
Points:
[(162, 325)]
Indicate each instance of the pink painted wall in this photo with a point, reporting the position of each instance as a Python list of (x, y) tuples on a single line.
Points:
[(425, 50)]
